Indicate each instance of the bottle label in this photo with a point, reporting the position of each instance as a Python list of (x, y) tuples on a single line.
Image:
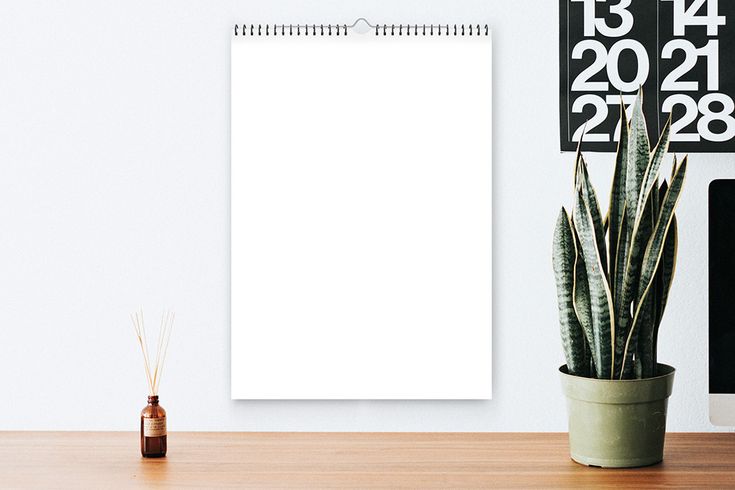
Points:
[(154, 427)]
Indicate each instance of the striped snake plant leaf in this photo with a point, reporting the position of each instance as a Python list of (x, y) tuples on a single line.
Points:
[(656, 198), (650, 177), (648, 207), (590, 200), (563, 258), (664, 187), (641, 175), (673, 168), (658, 284), (667, 269), (578, 155), (616, 210), (642, 340), (647, 212), (642, 336), (617, 278), (654, 249), (668, 262), (665, 272), (581, 302), (603, 324), (638, 238), (638, 158), (642, 343)]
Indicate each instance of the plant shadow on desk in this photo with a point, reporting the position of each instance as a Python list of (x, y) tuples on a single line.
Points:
[(613, 276)]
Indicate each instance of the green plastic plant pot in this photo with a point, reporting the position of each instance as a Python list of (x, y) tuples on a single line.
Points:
[(617, 424)]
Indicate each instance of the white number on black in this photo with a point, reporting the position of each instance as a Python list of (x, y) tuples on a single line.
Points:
[(710, 51), (581, 82), (598, 118), (610, 60), (690, 115), (642, 64), (592, 23), (628, 100), (684, 16), (724, 115), (692, 110)]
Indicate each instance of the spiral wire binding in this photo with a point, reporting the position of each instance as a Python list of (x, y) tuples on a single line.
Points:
[(251, 30)]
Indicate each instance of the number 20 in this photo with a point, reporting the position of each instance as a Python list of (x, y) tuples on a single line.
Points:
[(604, 59)]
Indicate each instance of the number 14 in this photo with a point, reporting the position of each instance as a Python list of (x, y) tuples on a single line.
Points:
[(684, 16)]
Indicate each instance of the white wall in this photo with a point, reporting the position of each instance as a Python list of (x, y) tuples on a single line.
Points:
[(114, 192)]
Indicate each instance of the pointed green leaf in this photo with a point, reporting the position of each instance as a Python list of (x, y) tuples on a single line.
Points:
[(645, 218), (603, 324), (654, 249), (638, 157), (590, 200), (667, 267), (616, 209), (660, 278), (581, 299), (642, 336), (621, 319), (673, 168), (668, 264), (650, 177), (639, 237), (563, 257), (639, 339), (578, 155), (642, 343), (661, 194)]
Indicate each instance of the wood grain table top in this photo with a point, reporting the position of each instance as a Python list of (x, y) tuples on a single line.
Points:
[(346, 460)]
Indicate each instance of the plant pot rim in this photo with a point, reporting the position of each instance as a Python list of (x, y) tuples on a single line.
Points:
[(616, 391), (668, 371)]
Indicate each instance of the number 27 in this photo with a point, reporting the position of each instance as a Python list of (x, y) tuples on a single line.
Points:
[(600, 116)]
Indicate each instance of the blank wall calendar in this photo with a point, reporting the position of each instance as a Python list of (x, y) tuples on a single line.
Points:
[(361, 212)]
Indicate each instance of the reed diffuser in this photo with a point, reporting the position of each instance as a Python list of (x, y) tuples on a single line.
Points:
[(153, 416)]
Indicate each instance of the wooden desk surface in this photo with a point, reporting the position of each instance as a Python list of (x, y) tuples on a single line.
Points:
[(345, 460)]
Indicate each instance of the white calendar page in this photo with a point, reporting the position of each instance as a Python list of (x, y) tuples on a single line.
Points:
[(361, 217)]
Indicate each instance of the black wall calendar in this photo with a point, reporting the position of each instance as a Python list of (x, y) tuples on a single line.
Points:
[(682, 52)]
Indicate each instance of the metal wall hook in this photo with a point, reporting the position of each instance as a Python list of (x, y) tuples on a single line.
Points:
[(362, 26)]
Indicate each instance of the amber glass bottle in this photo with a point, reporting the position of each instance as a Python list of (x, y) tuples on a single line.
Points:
[(153, 429)]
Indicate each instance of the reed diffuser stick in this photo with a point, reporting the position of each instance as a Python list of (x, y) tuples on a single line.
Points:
[(164, 336), (158, 352), (142, 342), (164, 349)]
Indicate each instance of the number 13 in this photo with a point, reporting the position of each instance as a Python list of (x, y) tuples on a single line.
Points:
[(591, 23)]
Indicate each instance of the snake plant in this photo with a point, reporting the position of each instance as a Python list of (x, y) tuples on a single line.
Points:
[(613, 273)]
